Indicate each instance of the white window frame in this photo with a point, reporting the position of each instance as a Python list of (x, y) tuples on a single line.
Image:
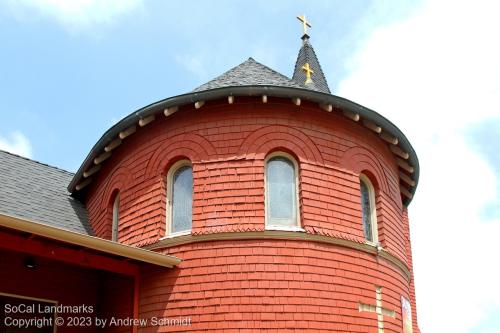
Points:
[(373, 209), (170, 189), (268, 226), (116, 218)]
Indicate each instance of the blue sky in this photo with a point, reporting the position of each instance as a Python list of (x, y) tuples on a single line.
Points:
[(70, 69), (65, 81)]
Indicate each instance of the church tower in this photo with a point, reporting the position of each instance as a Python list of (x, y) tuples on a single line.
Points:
[(286, 205)]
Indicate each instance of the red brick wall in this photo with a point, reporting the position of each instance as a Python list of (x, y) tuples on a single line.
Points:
[(272, 284), (413, 298), (227, 145)]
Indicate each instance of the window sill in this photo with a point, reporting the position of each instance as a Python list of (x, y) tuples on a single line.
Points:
[(285, 228), (376, 245), (177, 234)]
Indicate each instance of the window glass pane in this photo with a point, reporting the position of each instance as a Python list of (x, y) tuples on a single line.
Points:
[(182, 199), (281, 191), (116, 211), (367, 212)]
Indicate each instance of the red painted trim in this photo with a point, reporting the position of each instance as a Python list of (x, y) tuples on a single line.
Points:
[(45, 248), (136, 300)]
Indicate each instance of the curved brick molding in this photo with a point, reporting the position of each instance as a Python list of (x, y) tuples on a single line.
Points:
[(285, 235), (263, 140)]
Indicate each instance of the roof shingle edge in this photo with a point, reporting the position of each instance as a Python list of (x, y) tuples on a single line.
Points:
[(255, 90)]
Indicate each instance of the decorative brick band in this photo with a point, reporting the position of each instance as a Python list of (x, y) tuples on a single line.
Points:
[(284, 235)]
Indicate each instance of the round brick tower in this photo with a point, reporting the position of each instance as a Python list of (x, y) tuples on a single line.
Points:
[(286, 204)]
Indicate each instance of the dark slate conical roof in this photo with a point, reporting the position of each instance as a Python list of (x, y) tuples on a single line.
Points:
[(307, 55), (250, 73)]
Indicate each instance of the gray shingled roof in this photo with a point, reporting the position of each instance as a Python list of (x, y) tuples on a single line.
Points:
[(249, 73), (307, 55), (37, 192)]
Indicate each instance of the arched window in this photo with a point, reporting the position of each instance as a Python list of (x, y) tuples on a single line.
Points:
[(368, 209), (116, 218), (180, 198), (281, 192)]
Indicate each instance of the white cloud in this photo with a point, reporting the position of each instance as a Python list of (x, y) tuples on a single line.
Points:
[(194, 63), (75, 15), (434, 74), (16, 143)]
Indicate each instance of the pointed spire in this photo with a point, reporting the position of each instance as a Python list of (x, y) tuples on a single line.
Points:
[(307, 68)]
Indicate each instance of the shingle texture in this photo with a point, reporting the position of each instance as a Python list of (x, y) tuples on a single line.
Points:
[(307, 55), (249, 73), (36, 191)]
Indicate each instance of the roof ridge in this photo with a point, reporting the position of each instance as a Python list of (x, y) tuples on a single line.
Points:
[(249, 72), (297, 61), (272, 70), (37, 162)]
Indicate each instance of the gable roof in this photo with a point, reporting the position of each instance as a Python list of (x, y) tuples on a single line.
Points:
[(249, 73), (36, 191)]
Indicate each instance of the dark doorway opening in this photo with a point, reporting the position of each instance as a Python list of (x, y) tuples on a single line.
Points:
[(23, 314)]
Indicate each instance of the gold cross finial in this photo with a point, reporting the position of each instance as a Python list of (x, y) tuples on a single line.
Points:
[(307, 69), (305, 24)]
